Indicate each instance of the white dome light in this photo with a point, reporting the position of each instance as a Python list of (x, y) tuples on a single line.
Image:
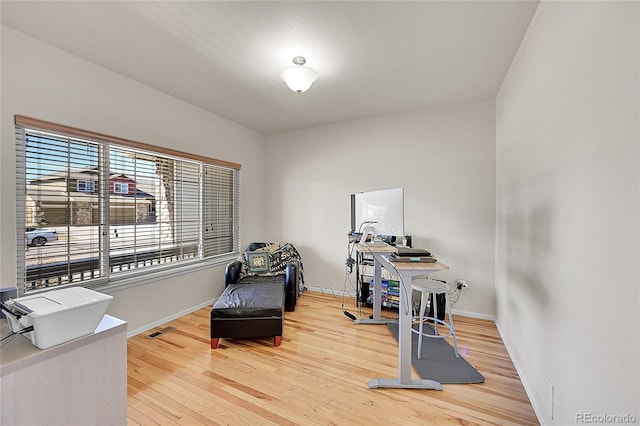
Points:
[(298, 77)]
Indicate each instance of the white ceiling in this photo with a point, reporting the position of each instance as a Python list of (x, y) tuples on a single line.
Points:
[(373, 58)]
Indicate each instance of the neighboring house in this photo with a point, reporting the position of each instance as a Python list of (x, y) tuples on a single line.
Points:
[(57, 200)]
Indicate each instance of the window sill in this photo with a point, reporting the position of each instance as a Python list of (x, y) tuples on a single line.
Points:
[(122, 283)]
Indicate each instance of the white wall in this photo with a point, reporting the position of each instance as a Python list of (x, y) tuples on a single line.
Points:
[(568, 210), (44, 82), (444, 158)]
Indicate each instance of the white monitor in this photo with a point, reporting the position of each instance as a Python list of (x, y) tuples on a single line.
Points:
[(379, 213)]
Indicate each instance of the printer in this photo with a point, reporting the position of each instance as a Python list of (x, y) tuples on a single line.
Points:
[(56, 316)]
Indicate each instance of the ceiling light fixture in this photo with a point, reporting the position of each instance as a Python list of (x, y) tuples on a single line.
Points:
[(298, 77)]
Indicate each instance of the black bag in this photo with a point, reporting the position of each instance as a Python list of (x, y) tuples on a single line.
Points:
[(441, 301)]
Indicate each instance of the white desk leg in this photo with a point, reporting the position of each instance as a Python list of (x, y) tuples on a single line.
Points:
[(404, 332), (404, 379), (377, 289), (377, 297)]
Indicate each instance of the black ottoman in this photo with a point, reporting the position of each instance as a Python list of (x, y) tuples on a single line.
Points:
[(254, 307)]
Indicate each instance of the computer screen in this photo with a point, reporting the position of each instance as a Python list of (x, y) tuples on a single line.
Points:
[(381, 211)]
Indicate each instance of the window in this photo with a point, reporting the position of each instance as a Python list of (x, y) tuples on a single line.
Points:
[(85, 186), (117, 208), (120, 188)]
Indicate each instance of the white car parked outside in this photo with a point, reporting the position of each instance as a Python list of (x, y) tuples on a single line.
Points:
[(36, 237)]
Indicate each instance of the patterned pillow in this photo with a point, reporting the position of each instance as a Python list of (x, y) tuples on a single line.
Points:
[(269, 259), (258, 262)]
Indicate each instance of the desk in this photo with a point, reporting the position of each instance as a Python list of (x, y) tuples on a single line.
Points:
[(406, 271), (82, 381), (376, 250)]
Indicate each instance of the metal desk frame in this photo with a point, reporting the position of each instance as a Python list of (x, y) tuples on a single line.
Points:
[(406, 271)]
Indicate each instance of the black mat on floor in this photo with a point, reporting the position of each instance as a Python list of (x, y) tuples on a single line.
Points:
[(439, 361)]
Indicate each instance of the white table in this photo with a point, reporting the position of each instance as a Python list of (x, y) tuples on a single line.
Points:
[(406, 271), (82, 381)]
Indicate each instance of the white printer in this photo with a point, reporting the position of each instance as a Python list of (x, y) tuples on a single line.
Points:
[(57, 316)]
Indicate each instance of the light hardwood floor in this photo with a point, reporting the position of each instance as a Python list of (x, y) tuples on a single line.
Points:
[(318, 376)]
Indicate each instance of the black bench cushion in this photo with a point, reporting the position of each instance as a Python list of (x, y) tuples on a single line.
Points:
[(249, 299)]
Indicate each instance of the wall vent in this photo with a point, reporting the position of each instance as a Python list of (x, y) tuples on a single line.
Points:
[(160, 332), (542, 387)]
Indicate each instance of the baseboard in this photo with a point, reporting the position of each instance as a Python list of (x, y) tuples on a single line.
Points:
[(527, 388), (473, 315), (335, 293), (139, 330)]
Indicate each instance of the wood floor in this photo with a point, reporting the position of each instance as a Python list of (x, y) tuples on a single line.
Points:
[(318, 376)]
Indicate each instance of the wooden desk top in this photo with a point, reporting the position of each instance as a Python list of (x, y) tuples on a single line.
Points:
[(419, 266), (375, 248), (387, 249)]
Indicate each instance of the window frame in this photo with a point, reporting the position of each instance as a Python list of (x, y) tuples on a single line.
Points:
[(120, 188), (85, 186), (142, 274)]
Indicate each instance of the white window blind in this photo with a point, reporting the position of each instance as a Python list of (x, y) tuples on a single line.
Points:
[(219, 213), (116, 209)]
